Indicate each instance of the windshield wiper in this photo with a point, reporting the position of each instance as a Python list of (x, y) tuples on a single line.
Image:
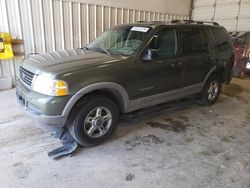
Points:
[(100, 50), (120, 53), (86, 47)]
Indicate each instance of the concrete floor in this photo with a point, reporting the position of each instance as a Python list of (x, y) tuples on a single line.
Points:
[(193, 147)]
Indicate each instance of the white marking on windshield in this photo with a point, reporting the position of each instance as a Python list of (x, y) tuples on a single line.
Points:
[(140, 29)]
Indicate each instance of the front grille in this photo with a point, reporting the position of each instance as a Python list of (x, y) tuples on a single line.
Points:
[(26, 76)]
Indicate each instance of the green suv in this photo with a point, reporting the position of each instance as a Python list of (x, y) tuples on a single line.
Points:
[(126, 68)]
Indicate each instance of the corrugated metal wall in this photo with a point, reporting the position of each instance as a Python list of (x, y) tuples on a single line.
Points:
[(233, 14), (48, 25)]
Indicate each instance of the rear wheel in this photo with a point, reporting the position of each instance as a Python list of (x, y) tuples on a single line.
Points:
[(211, 91), (94, 120)]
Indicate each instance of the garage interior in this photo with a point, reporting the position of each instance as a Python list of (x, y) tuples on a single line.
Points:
[(178, 144)]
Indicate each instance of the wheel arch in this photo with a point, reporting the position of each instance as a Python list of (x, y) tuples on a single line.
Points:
[(111, 90), (212, 71)]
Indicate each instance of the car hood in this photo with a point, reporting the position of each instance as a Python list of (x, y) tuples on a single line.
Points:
[(67, 60)]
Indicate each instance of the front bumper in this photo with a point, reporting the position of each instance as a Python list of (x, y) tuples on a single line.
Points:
[(45, 110)]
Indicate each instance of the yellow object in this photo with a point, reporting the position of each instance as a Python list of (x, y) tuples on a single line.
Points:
[(5, 46), (61, 88)]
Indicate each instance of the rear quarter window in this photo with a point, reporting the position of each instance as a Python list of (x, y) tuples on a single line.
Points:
[(222, 39)]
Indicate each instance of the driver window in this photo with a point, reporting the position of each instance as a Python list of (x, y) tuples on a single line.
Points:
[(167, 43)]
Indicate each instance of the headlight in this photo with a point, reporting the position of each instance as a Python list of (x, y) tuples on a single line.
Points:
[(248, 65), (49, 86)]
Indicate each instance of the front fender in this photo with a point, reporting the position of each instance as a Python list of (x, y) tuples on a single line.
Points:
[(101, 85)]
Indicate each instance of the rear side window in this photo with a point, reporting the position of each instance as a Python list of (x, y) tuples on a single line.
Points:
[(222, 40), (193, 41)]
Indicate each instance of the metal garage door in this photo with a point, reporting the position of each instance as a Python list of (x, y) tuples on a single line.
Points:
[(48, 25), (233, 14)]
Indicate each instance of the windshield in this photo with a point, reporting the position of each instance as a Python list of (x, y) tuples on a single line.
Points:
[(124, 40)]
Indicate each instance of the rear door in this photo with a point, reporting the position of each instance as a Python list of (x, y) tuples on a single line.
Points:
[(195, 51)]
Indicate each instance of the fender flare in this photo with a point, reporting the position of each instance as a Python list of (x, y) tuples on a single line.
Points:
[(101, 85), (212, 70)]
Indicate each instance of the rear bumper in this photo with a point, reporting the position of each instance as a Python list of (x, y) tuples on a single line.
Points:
[(25, 99)]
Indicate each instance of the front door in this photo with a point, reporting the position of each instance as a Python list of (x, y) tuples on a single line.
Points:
[(164, 73)]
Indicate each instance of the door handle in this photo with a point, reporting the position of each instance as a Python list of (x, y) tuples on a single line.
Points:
[(179, 63), (210, 58), (176, 64)]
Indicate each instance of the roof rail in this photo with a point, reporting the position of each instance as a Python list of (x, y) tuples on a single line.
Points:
[(194, 21), (153, 21)]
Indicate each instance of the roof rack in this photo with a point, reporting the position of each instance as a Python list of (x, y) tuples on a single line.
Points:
[(193, 21)]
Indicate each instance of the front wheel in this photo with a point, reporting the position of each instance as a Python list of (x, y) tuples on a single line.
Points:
[(211, 91), (95, 119)]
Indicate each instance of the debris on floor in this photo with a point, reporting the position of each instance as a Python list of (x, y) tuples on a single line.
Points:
[(130, 177)]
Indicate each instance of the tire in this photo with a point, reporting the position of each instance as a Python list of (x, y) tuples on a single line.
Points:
[(211, 91), (93, 120)]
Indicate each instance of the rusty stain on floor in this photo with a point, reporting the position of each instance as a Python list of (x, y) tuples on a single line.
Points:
[(176, 125), (235, 90)]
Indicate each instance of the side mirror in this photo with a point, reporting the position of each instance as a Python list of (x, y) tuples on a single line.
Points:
[(154, 42), (150, 55), (152, 52)]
